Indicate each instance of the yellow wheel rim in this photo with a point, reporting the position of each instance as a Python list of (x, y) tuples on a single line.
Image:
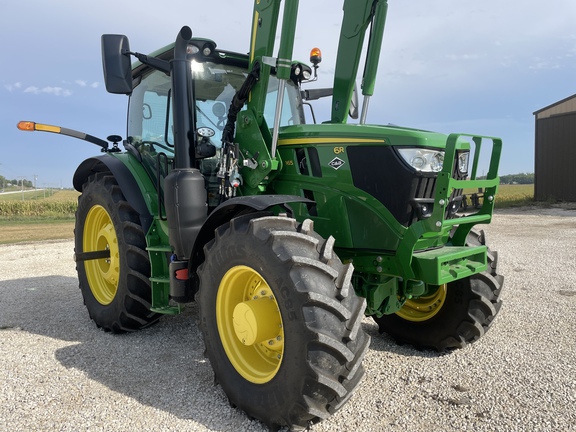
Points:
[(250, 324), (102, 274), (423, 308)]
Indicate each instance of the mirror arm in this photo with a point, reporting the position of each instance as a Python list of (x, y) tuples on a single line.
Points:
[(161, 65)]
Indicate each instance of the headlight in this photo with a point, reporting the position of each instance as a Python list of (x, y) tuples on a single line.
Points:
[(463, 158), (425, 160), (192, 49), (300, 72)]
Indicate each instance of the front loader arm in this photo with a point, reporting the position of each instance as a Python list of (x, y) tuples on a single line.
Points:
[(358, 16), (257, 141), (264, 25)]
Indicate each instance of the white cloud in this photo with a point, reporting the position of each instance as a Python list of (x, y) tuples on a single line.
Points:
[(458, 57), (12, 87), (56, 91), (84, 83), (51, 90), (544, 65), (32, 89)]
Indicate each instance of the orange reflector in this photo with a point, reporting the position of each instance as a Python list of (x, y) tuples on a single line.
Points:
[(26, 126)]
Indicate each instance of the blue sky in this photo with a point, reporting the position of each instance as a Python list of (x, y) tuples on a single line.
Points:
[(448, 65)]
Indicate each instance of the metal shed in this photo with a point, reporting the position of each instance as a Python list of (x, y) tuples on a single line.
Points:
[(555, 151)]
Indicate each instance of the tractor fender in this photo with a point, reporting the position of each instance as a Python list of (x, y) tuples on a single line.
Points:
[(232, 208), (126, 181)]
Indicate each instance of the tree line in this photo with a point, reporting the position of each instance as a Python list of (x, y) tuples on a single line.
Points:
[(522, 178), (15, 182)]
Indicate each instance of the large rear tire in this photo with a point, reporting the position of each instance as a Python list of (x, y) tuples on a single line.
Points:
[(280, 320), (455, 315), (116, 289)]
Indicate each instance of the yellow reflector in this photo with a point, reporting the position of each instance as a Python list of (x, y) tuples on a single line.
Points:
[(47, 128), (26, 125)]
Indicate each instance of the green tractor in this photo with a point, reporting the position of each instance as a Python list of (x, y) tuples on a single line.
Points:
[(287, 234)]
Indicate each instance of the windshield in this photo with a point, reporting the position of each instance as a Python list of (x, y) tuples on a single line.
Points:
[(215, 86)]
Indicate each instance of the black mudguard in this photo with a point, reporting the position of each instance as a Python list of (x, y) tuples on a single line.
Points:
[(235, 207), (125, 180)]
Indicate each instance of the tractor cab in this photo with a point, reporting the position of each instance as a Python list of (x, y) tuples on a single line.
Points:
[(213, 79)]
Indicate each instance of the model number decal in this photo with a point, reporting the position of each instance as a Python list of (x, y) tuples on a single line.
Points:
[(338, 150)]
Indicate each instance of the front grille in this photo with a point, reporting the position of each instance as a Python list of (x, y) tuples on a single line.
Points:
[(407, 194)]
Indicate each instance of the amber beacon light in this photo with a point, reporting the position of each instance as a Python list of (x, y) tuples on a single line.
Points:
[(315, 56), (26, 125)]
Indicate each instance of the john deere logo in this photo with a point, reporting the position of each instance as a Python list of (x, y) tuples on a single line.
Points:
[(336, 163)]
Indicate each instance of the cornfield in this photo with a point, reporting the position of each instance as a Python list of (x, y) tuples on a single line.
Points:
[(37, 208), (61, 204)]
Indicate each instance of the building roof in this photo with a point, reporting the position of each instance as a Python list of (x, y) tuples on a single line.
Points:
[(563, 106)]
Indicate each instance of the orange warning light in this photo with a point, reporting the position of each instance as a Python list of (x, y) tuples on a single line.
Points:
[(26, 126), (315, 56)]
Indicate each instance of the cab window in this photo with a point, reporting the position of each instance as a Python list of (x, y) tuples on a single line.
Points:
[(292, 113), (150, 118)]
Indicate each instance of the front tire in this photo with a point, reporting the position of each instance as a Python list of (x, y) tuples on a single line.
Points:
[(280, 320), (456, 314), (116, 288)]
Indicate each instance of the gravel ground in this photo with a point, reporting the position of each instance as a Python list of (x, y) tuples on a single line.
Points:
[(59, 372)]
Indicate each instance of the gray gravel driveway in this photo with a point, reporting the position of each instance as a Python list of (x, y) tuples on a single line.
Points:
[(58, 372)]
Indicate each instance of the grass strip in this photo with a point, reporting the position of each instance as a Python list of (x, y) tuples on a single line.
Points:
[(35, 230)]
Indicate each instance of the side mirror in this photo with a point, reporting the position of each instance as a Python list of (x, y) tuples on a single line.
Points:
[(116, 64), (353, 112)]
